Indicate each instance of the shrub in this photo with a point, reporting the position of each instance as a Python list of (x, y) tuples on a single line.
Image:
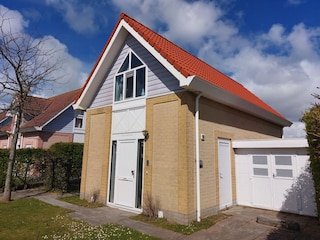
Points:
[(27, 169), (57, 168), (64, 166), (312, 121)]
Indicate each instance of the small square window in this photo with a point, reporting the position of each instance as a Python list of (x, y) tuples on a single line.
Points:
[(78, 123)]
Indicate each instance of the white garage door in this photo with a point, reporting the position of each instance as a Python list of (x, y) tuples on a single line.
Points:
[(275, 181)]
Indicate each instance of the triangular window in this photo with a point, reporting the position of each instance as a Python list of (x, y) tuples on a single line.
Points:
[(125, 65), (135, 62), (130, 82)]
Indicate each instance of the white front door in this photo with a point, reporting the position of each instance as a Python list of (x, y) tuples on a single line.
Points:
[(125, 173), (225, 184)]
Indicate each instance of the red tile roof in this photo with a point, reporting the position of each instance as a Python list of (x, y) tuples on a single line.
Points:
[(51, 107), (186, 64), (189, 65), (3, 115), (42, 110)]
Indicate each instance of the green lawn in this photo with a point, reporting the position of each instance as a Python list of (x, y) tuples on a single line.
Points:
[(33, 219), (184, 229), (75, 199)]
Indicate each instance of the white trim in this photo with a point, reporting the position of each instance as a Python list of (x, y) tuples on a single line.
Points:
[(129, 104), (197, 156), (211, 91), (272, 143), (39, 128), (153, 51), (93, 83)]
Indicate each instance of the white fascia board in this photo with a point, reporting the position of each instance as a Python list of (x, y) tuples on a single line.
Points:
[(1, 121), (31, 129), (272, 143), (39, 128), (108, 58), (154, 52), (102, 68), (209, 90)]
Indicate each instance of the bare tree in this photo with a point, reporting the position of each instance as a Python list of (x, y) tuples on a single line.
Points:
[(26, 65)]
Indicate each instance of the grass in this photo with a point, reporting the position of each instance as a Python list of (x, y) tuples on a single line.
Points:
[(33, 219), (75, 199), (159, 222), (184, 229)]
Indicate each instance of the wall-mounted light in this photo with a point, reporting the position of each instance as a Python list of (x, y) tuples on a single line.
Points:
[(145, 134)]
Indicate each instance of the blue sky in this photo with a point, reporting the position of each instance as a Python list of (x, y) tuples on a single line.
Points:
[(271, 47)]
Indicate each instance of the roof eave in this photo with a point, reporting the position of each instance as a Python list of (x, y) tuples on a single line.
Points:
[(31, 129), (102, 66), (208, 90), (270, 143)]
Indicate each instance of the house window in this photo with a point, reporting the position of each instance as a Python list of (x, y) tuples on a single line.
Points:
[(283, 166), (260, 166), (130, 81), (78, 122)]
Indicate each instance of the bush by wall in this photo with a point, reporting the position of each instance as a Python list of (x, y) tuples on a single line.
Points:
[(312, 121), (27, 168), (57, 168), (64, 166), (4, 153)]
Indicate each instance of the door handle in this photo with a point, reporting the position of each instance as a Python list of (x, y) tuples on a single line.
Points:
[(132, 172)]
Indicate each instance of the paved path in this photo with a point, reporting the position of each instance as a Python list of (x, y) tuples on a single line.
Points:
[(103, 215), (241, 225)]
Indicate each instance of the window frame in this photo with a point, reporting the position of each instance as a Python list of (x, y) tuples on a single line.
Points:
[(122, 96), (79, 115)]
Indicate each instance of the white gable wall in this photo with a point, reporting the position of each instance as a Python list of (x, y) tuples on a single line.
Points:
[(159, 80)]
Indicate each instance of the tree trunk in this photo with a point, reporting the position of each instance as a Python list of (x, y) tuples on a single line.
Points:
[(12, 156)]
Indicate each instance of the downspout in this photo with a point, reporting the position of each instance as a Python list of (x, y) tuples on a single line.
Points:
[(197, 155)]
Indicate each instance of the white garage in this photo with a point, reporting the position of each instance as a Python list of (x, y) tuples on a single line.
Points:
[(273, 174)]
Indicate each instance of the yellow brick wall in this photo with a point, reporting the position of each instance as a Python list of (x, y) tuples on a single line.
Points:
[(170, 150), (165, 154), (94, 179), (170, 153), (219, 121)]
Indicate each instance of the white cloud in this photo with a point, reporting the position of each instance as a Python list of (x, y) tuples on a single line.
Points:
[(12, 21), (186, 23), (297, 130), (70, 73), (80, 17)]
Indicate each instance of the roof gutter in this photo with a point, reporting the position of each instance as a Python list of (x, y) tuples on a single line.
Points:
[(210, 91)]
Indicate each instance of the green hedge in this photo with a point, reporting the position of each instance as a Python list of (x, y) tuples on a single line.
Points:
[(312, 121), (64, 166), (57, 168)]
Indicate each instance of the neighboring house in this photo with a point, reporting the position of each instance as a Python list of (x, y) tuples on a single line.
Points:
[(45, 121), (160, 124)]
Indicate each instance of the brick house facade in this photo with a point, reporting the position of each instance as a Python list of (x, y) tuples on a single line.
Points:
[(160, 124)]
